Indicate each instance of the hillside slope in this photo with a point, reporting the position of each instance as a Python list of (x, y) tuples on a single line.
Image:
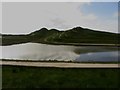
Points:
[(74, 36)]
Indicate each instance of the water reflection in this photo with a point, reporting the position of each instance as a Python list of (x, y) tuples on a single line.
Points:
[(34, 51), (99, 56)]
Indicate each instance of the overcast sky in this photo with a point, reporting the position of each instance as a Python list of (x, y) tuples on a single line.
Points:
[(26, 17)]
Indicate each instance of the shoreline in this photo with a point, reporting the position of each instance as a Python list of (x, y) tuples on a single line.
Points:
[(61, 61), (69, 44), (59, 64), (79, 44)]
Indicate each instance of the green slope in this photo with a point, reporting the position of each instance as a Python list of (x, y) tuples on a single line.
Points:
[(76, 35)]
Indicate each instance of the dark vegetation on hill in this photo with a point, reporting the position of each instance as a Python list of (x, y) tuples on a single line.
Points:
[(75, 36)]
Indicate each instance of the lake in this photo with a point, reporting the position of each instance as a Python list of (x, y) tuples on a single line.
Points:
[(36, 51)]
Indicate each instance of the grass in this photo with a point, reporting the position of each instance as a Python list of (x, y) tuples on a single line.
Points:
[(34, 77)]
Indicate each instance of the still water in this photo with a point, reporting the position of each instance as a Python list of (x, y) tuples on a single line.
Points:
[(35, 51)]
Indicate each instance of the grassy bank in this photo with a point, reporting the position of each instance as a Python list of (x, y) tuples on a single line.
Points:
[(33, 77), (68, 61)]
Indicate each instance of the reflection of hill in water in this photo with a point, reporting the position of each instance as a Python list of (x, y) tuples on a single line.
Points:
[(34, 51), (94, 49)]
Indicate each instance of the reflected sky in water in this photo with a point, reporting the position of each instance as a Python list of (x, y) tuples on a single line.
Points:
[(34, 51), (99, 56)]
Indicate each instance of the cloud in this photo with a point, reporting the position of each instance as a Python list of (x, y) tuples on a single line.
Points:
[(0, 17), (59, 0), (70, 15), (60, 23), (26, 17), (105, 0), (46, 0)]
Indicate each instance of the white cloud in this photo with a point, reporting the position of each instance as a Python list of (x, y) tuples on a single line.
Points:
[(26, 17), (46, 0), (59, 0), (0, 17)]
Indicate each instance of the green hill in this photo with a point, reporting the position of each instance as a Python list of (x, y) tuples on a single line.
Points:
[(74, 36)]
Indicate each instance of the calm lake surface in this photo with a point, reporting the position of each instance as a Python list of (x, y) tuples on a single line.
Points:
[(34, 51)]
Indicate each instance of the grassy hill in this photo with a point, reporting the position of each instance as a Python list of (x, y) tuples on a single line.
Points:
[(73, 36)]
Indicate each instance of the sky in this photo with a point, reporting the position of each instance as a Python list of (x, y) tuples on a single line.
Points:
[(26, 17)]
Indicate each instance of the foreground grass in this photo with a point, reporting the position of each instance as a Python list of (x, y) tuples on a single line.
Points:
[(34, 77)]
